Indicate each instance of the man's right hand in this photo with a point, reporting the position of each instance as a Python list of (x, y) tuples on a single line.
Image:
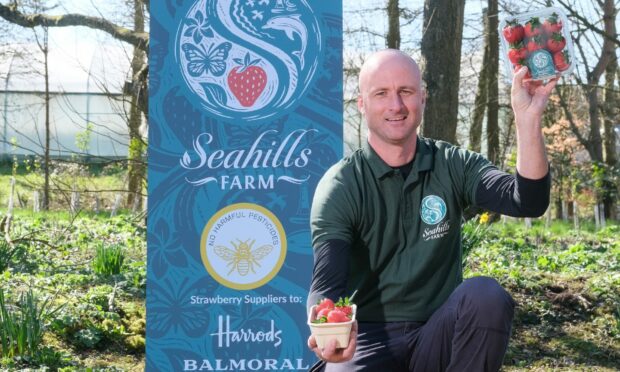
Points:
[(330, 353)]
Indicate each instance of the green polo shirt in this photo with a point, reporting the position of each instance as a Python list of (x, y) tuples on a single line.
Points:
[(404, 235)]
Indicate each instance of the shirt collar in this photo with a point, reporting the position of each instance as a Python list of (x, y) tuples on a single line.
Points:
[(422, 161)]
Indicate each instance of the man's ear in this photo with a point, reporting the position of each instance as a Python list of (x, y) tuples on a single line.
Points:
[(360, 104)]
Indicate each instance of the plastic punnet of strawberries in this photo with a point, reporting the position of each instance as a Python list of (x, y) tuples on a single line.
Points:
[(539, 40)]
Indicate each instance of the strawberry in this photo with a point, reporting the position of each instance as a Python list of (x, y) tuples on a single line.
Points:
[(513, 32), (517, 53), (556, 42), (535, 43), (337, 316), (552, 24), (532, 27), (325, 303), (560, 60), (247, 81), (344, 305)]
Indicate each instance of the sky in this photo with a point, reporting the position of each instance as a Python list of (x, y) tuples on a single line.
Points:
[(74, 51)]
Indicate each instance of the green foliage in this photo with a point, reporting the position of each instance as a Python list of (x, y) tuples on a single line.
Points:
[(21, 327), (565, 283), (108, 260), (6, 254), (473, 233), (82, 139)]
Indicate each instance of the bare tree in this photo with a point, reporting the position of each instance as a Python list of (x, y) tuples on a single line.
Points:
[(136, 172), (493, 150), (441, 59), (393, 36), (138, 87), (480, 102), (592, 141)]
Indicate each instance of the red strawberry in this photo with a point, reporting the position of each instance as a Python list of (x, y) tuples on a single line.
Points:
[(535, 43), (517, 53), (323, 313), (344, 305), (513, 32), (552, 24), (561, 61), (556, 42), (247, 81), (337, 316), (532, 27), (325, 303)]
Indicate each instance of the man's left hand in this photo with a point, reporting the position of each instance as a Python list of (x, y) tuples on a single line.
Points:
[(529, 97)]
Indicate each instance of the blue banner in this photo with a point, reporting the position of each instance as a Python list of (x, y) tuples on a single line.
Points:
[(245, 116)]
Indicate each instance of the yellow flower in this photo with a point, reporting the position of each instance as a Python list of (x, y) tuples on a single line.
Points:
[(484, 218)]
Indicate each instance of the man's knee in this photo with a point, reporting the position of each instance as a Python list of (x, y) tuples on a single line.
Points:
[(488, 302)]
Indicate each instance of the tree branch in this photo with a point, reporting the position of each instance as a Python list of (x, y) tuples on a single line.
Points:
[(138, 39), (613, 38)]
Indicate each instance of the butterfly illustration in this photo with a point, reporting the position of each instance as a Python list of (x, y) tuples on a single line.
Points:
[(201, 60)]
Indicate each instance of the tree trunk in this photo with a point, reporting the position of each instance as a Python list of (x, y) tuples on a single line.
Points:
[(611, 110), (393, 36), (475, 131), (441, 57), (46, 160), (136, 170), (492, 85)]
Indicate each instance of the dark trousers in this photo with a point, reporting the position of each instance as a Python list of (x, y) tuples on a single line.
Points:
[(468, 333)]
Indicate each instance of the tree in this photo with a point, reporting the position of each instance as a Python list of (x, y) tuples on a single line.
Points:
[(592, 141), (480, 102), (393, 36), (138, 87), (441, 60), (493, 150), (136, 170)]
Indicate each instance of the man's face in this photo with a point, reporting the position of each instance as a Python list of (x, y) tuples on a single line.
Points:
[(391, 99)]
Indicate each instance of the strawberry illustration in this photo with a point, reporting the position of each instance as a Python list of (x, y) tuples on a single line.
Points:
[(247, 81)]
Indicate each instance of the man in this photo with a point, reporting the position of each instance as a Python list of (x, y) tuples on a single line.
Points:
[(386, 223)]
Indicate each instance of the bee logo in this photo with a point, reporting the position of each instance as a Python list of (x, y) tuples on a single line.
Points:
[(242, 258)]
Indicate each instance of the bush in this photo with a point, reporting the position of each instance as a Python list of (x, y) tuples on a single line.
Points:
[(108, 260)]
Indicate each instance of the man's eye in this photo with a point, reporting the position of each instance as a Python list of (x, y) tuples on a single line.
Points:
[(380, 94)]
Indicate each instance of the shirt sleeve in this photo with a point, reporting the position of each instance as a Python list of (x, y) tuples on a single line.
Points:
[(332, 214), (513, 195), (330, 272)]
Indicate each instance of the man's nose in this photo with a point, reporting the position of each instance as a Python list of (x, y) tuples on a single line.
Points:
[(396, 102)]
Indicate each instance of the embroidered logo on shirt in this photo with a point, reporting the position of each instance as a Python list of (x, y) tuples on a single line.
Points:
[(433, 209)]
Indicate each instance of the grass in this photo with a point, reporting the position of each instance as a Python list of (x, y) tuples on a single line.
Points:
[(104, 184), (108, 260), (565, 283)]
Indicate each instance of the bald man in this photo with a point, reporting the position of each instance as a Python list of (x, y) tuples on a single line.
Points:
[(386, 223)]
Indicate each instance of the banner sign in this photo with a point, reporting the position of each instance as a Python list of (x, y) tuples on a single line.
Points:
[(245, 116)]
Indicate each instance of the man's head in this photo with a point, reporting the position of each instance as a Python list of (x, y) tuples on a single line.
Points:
[(391, 98)]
